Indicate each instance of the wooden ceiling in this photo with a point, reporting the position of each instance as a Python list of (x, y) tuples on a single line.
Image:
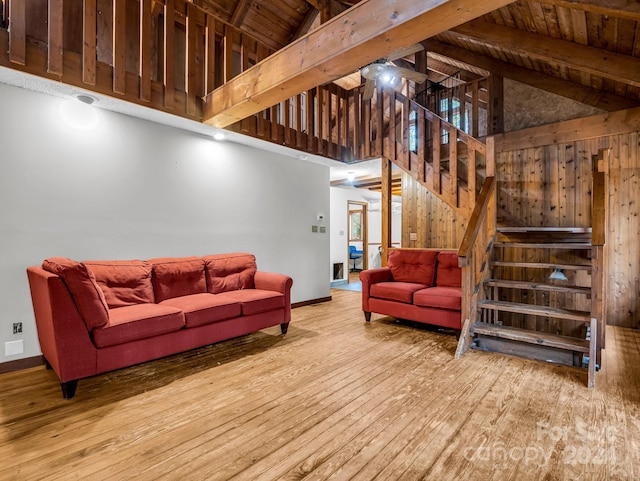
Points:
[(584, 50)]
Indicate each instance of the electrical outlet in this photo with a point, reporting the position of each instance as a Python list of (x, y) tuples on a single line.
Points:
[(17, 327), (13, 348), (323, 229)]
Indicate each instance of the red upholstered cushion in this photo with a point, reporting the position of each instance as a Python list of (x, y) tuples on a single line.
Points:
[(82, 285), (230, 272), (395, 291), (200, 309), (448, 274), (440, 297), (138, 321), (123, 282), (413, 265), (177, 276), (255, 301)]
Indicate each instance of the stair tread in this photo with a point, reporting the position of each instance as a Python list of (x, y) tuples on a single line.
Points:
[(545, 245), (543, 265), (531, 337), (571, 230), (537, 286), (535, 310)]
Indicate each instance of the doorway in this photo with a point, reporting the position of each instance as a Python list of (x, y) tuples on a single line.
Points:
[(358, 244)]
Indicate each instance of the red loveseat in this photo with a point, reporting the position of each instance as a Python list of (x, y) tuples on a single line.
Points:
[(97, 316), (420, 285)]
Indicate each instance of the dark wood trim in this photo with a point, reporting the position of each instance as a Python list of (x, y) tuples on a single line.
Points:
[(310, 302), (20, 364)]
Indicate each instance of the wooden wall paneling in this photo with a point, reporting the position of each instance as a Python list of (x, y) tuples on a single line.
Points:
[(406, 158), (89, 42), (17, 32), (211, 59), (421, 153), (169, 58), (146, 50), (191, 60), (119, 46), (367, 122), (357, 105), (298, 116), (104, 31), (227, 60), (453, 163), (55, 47), (287, 121), (324, 112), (311, 112), (436, 134)]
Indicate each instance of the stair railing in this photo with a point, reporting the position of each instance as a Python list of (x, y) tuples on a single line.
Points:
[(474, 256), (598, 267)]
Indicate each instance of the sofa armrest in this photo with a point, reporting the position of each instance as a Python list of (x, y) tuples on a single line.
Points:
[(271, 281), (370, 277), (64, 339)]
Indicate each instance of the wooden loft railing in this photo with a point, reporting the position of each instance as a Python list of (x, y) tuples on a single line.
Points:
[(162, 54), (339, 124)]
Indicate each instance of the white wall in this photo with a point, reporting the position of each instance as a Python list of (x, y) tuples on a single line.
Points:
[(132, 189), (340, 225)]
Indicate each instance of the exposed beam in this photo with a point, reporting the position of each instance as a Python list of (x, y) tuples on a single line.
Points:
[(588, 96), (240, 12), (604, 63), (613, 8), (306, 24), (370, 30)]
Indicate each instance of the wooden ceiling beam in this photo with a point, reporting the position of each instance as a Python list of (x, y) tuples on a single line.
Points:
[(366, 32), (604, 63), (240, 12), (579, 93), (612, 8)]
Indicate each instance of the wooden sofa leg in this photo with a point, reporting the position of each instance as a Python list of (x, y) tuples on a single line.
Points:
[(458, 333), (367, 316), (69, 388), (284, 327)]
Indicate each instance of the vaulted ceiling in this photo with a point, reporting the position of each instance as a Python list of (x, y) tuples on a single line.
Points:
[(586, 50)]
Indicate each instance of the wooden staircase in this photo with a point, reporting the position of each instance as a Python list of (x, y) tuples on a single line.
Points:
[(524, 313)]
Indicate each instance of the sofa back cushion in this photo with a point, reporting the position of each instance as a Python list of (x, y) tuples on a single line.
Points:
[(230, 272), (177, 276), (448, 274), (124, 283), (84, 289), (413, 265)]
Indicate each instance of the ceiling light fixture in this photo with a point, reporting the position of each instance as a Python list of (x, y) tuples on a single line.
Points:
[(558, 275), (303, 157), (351, 176), (219, 136), (86, 99)]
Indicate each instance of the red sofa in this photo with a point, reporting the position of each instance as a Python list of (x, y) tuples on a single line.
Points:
[(97, 316), (420, 285)]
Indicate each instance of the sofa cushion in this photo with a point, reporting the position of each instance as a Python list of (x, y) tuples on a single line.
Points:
[(177, 276), (230, 272), (123, 282), (205, 308), (439, 297), (448, 273), (138, 321), (84, 289), (418, 266), (255, 301), (396, 291)]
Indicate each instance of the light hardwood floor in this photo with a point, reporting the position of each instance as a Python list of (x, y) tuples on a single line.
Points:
[(336, 398)]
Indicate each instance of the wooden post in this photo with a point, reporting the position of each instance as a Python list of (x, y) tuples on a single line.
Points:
[(496, 105), (89, 40), (386, 209)]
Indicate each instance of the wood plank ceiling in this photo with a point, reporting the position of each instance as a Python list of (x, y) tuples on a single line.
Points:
[(585, 50)]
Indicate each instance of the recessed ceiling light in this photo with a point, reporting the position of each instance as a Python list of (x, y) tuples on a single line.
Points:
[(219, 136), (303, 157), (86, 99), (351, 176)]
